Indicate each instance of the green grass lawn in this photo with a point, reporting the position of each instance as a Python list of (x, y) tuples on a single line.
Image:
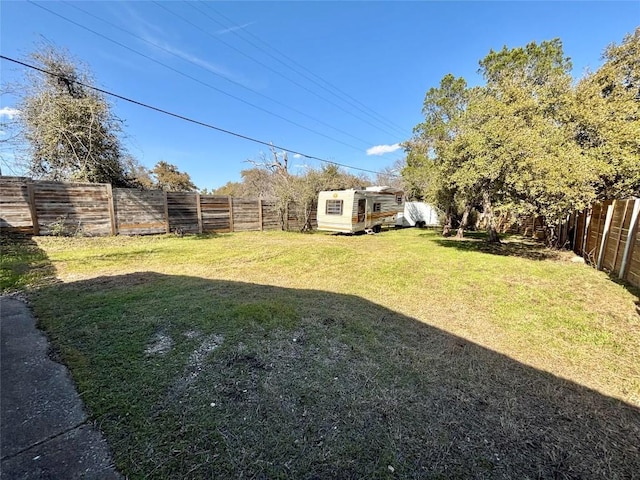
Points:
[(399, 355)]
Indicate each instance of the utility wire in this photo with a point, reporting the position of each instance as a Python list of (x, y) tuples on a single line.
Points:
[(289, 79), (349, 99), (182, 117), (208, 85), (325, 99), (170, 52)]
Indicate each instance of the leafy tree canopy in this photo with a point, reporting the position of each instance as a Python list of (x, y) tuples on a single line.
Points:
[(529, 141), (170, 179)]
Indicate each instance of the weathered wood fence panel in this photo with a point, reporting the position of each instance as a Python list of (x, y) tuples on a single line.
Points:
[(608, 236), (215, 213), (139, 212), (270, 217), (40, 207), (246, 215), (15, 211), (183, 212), (73, 207)]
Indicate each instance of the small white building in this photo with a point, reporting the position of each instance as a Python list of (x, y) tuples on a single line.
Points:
[(351, 211)]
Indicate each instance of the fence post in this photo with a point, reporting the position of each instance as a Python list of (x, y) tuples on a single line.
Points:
[(230, 213), (260, 221), (112, 210), (199, 211), (166, 213), (628, 248), (32, 208), (605, 234), (587, 225), (596, 245)]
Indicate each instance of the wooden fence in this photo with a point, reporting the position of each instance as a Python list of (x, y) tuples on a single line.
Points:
[(45, 208), (607, 235)]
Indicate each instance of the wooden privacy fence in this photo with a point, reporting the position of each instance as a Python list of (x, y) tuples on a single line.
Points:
[(45, 208), (608, 237)]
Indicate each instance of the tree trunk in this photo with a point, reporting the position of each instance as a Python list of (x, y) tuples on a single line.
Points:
[(464, 221), (552, 237), (491, 223), (446, 228)]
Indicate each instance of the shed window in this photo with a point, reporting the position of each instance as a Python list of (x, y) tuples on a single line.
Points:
[(377, 207), (399, 199), (334, 207)]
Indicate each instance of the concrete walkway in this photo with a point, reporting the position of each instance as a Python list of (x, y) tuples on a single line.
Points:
[(44, 430)]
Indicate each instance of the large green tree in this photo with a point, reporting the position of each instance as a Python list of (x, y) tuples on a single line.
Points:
[(170, 179), (432, 157), (606, 119), (71, 131), (524, 138), (509, 144)]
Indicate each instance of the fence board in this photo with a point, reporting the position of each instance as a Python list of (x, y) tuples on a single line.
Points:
[(245, 215), (183, 212), (623, 233), (72, 207), (613, 243), (15, 211), (139, 212), (270, 217), (616, 243), (215, 213), (633, 269)]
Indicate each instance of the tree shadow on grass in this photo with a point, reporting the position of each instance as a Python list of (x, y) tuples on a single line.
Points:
[(23, 264), (510, 246), (199, 378)]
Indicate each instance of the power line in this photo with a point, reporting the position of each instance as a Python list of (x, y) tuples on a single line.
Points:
[(348, 112), (170, 52), (350, 102), (179, 72), (182, 117), (289, 79), (349, 99)]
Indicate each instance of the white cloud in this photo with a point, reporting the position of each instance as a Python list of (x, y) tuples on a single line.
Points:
[(9, 112), (382, 149), (233, 29), (189, 57), (217, 69), (297, 155)]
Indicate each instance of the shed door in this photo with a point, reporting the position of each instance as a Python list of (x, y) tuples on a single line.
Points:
[(362, 210)]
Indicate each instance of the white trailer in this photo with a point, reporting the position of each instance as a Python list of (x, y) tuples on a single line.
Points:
[(351, 211), (418, 214)]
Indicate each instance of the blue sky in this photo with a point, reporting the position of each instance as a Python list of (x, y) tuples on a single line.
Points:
[(330, 79)]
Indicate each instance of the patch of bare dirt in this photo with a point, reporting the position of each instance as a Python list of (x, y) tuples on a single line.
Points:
[(160, 344)]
